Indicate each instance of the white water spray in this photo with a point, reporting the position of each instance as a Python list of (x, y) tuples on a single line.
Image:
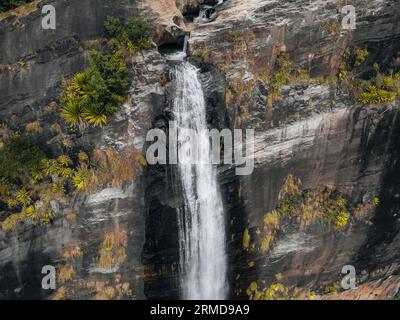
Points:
[(201, 221)]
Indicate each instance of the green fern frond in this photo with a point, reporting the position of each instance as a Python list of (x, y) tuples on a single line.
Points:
[(78, 86), (95, 117), (73, 112)]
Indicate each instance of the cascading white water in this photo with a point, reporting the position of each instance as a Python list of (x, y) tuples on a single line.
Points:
[(201, 221)]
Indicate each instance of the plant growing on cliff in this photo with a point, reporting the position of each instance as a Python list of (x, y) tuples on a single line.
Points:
[(6, 5), (280, 77), (31, 183), (34, 128), (332, 27), (246, 239), (104, 290), (271, 220), (19, 158), (360, 56), (373, 94), (332, 288), (325, 204), (139, 32), (234, 37), (134, 35), (266, 242), (72, 252), (364, 208), (380, 89), (60, 294), (285, 73), (65, 274), (351, 59), (276, 291), (112, 249), (108, 167), (92, 96), (17, 8)]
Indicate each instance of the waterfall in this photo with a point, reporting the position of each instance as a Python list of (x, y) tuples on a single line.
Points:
[(201, 221)]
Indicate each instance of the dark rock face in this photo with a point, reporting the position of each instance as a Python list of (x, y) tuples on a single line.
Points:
[(49, 55), (161, 250), (24, 253), (343, 150), (356, 160)]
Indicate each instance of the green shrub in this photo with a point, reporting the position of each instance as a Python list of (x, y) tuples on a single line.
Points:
[(134, 36), (19, 158), (360, 56), (246, 239), (380, 89), (324, 204), (351, 59), (114, 28), (332, 27), (332, 288), (234, 37), (374, 94), (138, 32), (29, 181), (342, 219), (94, 95), (343, 72), (288, 205), (275, 291), (282, 74)]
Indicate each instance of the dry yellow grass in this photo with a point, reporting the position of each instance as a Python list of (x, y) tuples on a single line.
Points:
[(5, 67), (362, 209), (105, 291), (52, 107), (33, 128), (109, 168), (291, 186), (94, 44), (10, 222), (55, 129), (65, 273), (60, 294), (71, 216), (112, 249), (266, 242), (72, 252), (116, 168), (271, 220)]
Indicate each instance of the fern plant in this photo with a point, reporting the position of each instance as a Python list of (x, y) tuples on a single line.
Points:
[(78, 86), (72, 111), (376, 95), (94, 95), (95, 116)]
